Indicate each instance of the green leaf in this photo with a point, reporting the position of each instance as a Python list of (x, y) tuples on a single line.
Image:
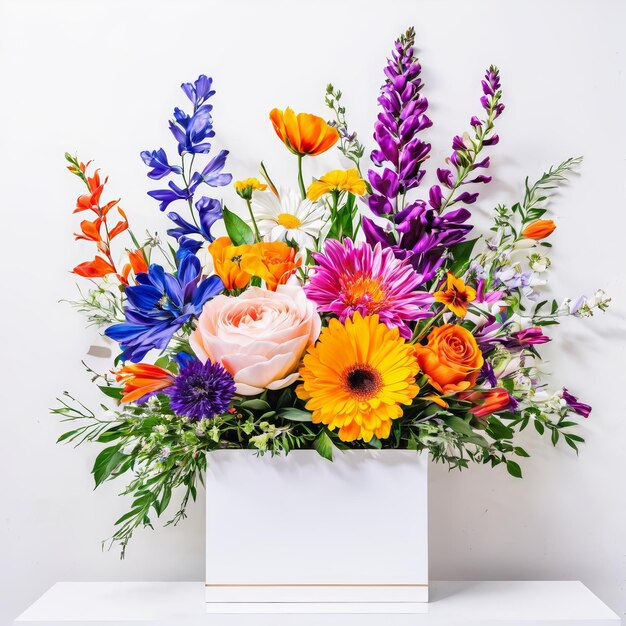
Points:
[(459, 425), (111, 434), (514, 469), (112, 392), (461, 253), (295, 415), (539, 427), (238, 231), (498, 430), (521, 452), (375, 443), (106, 462), (324, 446), (255, 405), (67, 435)]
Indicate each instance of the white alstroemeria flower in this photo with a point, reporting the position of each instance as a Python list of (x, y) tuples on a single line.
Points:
[(289, 218)]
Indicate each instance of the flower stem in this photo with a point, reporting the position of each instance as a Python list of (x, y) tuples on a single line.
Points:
[(300, 179), (254, 224)]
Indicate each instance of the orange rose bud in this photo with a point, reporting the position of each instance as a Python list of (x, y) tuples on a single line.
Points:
[(227, 260), (490, 401), (451, 359), (303, 133), (274, 262), (539, 229)]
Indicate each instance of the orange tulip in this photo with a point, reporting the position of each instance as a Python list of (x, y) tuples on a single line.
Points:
[(539, 229), (141, 379), (457, 296), (227, 260), (274, 262), (303, 133)]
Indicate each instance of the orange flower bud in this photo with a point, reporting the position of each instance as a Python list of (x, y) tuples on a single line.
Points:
[(539, 229)]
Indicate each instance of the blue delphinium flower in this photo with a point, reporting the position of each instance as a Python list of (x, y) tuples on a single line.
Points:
[(159, 305), (192, 132), (201, 390)]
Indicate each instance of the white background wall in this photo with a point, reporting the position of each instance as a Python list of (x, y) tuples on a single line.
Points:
[(101, 78)]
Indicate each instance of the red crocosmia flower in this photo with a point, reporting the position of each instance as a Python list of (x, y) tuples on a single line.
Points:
[(141, 380), (490, 401)]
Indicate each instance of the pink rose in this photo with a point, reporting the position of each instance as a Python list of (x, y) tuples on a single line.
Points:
[(259, 336)]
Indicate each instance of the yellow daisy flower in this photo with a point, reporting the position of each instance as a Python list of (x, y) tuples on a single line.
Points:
[(245, 187), (337, 180), (356, 377)]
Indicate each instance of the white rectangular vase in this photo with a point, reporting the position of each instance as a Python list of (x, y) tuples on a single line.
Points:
[(299, 530)]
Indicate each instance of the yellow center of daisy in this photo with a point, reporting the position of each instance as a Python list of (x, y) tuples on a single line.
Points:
[(288, 220), (362, 381), (365, 291)]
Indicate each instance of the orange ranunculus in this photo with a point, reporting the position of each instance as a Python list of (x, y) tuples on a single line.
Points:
[(141, 379), (489, 401), (539, 229), (227, 260), (274, 262), (457, 295), (451, 359), (303, 133)]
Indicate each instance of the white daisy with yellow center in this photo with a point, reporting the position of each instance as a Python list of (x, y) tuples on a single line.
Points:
[(288, 218)]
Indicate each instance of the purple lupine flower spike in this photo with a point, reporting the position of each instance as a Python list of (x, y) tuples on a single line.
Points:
[(400, 152)]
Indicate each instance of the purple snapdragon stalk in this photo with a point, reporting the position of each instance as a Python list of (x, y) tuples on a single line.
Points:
[(400, 151), (422, 231), (466, 149)]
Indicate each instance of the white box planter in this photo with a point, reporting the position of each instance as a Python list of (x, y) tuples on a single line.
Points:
[(302, 529)]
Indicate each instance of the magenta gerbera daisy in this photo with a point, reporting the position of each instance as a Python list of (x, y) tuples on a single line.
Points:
[(372, 281)]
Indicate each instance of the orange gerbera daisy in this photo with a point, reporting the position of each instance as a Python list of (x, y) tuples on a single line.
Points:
[(303, 133), (357, 376)]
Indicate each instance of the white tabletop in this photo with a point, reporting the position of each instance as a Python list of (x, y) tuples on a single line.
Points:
[(512, 603)]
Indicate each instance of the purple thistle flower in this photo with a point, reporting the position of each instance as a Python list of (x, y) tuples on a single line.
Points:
[(402, 118), (201, 390), (574, 404), (369, 280)]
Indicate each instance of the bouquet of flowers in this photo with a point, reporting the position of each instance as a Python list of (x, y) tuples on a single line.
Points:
[(348, 311)]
